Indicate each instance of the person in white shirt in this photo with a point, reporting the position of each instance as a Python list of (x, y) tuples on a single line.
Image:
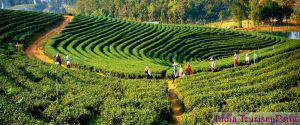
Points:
[(247, 59), (236, 62), (148, 72), (213, 65)]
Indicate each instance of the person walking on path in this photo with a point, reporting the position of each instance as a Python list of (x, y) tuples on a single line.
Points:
[(213, 65), (181, 71), (254, 58), (189, 69), (58, 59), (148, 72), (68, 61), (236, 62), (247, 59), (175, 69)]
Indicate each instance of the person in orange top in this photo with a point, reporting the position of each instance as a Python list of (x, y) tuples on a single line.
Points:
[(181, 73)]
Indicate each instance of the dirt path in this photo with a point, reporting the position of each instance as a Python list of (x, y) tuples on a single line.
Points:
[(175, 105), (35, 50)]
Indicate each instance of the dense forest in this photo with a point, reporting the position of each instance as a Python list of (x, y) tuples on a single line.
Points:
[(190, 11), (176, 11), (168, 11)]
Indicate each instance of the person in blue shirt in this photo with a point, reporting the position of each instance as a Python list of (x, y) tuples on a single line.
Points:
[(254, 57), (175, 69)]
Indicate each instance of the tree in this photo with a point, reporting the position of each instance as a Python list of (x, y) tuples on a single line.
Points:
[(255, 11), (144, 9), (86, 6), (152, 12), (287, 8), (164, 12), (271, 10), (138, 11), (182, 10), (117, 9), (238, 10), (124, 12)]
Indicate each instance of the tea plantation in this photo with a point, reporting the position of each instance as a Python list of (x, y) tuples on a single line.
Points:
[(35, 92)]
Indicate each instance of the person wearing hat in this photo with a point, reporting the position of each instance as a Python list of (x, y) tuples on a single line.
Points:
[(247, 59), (213, 65)]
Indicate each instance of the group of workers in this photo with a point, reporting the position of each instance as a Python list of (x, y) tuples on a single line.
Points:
[(247, 59), (58, 60), (189, 72), (236, 61), (175, 74), (181, 73)]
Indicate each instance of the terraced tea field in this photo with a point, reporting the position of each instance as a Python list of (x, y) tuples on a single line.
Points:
[(37, 92), (123, 48)]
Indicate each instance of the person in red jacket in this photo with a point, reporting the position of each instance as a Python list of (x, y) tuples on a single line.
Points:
[(189, 69)]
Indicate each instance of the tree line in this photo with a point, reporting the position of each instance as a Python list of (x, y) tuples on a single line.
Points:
[(179, 11), (189, 11), (267, 11), (166, 11)]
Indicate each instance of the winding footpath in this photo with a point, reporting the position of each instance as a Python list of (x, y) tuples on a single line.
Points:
[(35, 50), (174, 103)]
